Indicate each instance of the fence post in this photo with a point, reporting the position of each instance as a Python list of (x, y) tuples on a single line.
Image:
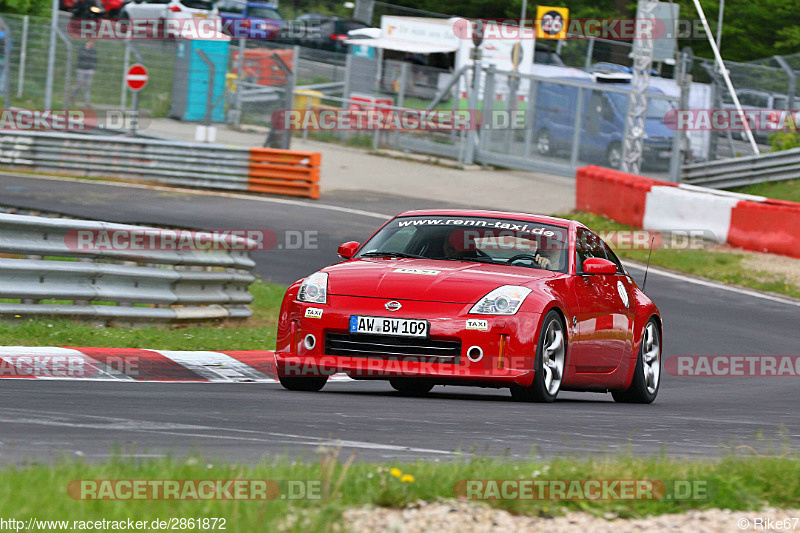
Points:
[(126, 63), (576, 130), (472, 137), (530, 117), (68, 66), (240, 80), (792, 80), (6, 88), (51, 57), (401, 93), (23, 55), (589, 52)]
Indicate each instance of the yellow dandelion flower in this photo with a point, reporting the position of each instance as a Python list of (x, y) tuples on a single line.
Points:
[(407, 478), (395, 472)]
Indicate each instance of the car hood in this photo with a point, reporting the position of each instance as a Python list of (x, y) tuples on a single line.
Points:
[(424, 279)]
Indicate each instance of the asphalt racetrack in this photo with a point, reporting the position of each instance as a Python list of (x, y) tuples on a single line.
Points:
[(692, 416)]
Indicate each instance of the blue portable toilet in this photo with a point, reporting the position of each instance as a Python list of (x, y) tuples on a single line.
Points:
[(191, 79)]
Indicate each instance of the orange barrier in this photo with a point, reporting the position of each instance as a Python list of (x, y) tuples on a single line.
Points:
[(772, 226), (260, 65), (289, 172)]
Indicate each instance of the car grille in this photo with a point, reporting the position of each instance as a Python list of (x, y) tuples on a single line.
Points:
[(393, 348)]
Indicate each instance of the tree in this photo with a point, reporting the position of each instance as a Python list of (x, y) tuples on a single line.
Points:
[(39, 8)]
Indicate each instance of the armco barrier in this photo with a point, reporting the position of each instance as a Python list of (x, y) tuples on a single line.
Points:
[(186, 164), (144, 285), (750, 222)]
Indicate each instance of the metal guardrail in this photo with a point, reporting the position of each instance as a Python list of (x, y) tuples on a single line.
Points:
[(163, 161), (52, 277), (741, 171)]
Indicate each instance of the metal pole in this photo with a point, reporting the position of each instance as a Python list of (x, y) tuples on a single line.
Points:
[(576, 131), (67, 69), (240, 81), (210, 96), (23, 55), (126, 63), (589, 54), (725, 76), (472, 138), (6, 88), (792, 80), (135, 116), (401, 93), (719, 23), (51, 57)]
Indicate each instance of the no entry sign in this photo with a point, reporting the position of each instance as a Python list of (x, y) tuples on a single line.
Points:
[(136, 78)]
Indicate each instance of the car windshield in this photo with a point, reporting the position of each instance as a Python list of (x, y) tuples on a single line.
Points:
[(263, 13), (473, 239), (658, 108), (198, 4)]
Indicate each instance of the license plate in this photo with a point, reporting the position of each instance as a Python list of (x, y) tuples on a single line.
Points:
[(376, 325), (200, 15)]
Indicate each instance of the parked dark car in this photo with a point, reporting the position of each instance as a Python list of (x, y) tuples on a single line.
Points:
[(331, 35), (250, 20)]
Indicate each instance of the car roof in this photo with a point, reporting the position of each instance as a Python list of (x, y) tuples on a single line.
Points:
[(563, 222)]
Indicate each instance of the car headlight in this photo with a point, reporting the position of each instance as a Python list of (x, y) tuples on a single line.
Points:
[(314, 289), (505, 300)]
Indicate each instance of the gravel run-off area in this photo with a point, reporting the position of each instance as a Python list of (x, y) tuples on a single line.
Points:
[(470, 517)]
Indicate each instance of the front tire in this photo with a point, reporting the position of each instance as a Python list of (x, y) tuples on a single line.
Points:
[(411, 387), (311, 384), (647, 376), (551, 357)]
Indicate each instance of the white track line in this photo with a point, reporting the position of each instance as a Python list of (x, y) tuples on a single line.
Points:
[(238, 196), (715, 284)]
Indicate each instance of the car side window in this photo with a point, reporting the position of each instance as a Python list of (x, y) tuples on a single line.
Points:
[(588, 245), (611, 256)]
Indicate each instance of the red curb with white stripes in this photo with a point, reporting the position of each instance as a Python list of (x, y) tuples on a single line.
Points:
[(750, 222), (130, 364)]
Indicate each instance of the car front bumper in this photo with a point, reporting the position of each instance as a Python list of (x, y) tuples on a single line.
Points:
[(489, 350)]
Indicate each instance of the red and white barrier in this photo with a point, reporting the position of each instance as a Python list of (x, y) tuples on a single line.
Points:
[(750, 222)]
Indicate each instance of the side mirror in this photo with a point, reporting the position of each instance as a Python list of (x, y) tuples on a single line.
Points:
[(348, 249), (596, 265)]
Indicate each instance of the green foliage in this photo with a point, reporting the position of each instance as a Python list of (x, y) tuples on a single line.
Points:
[(39, 8), (786, 139), (733, 482)]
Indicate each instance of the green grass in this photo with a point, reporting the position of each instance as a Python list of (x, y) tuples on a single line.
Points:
[(258, 333), (780, 190), (734, 483), (722, 266)]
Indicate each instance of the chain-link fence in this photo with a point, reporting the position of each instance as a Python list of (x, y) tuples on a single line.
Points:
[(28, 61)]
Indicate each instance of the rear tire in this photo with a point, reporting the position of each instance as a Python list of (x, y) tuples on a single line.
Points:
[(544, 143), (312, 384), (411, 386), (647, 376), (551, 357), (614, 155)]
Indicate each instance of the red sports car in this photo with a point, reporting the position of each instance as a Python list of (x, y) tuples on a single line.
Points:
[(480, 298)]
